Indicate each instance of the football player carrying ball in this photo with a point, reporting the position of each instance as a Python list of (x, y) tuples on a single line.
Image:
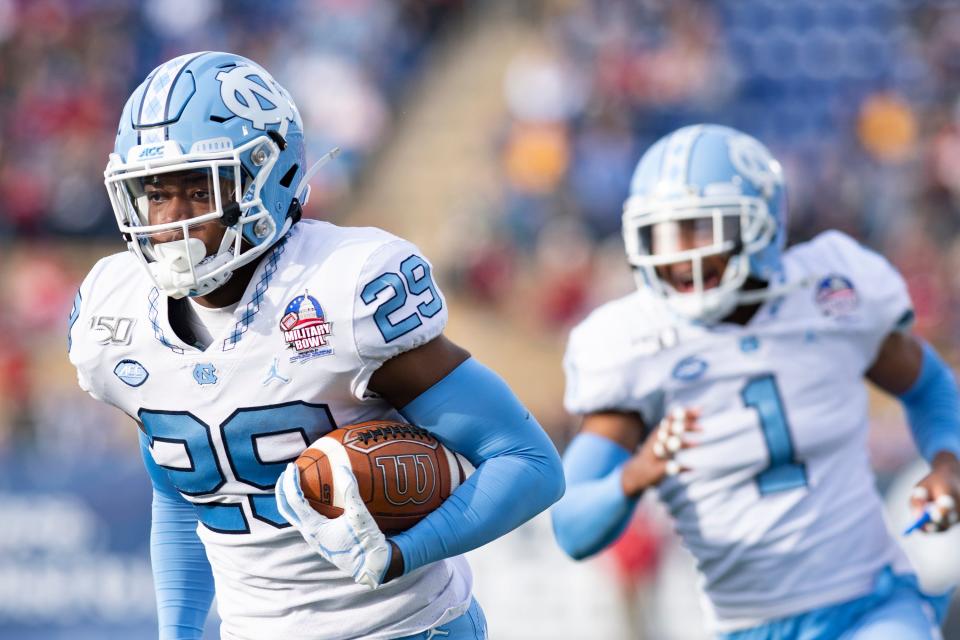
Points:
[(255, 333)]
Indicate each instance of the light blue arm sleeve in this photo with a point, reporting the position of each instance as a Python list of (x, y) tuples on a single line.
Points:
[(472, 411), (933, 407), (595, 511), (181, 573)]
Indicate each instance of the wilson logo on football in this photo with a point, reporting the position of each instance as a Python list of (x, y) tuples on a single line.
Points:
[(305, 330), (407, 478)]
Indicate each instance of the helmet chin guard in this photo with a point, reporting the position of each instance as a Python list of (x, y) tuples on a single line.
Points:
[(182, 264)]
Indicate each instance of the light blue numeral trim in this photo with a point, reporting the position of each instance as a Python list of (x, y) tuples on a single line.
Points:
[(417, 280), (381, 316), (242, 429), (223, 518), (181, 428), (264, 508), (243, 435), (419, 283), (784, 472)]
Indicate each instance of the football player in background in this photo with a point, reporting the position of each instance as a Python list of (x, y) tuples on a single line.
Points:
[(207, 181), (731, 381)]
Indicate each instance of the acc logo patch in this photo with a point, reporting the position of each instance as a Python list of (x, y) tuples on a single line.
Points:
[(305, 330), (131, 372), (690, 368), (155, 151), (836, 296)]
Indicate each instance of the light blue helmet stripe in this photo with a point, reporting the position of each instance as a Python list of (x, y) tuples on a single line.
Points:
[(675, 164), (156, 97)]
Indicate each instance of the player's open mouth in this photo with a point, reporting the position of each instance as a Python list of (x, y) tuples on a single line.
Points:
[(683, 282)]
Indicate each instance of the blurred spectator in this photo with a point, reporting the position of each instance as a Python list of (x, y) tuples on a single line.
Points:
[(66, 68), (858, 98)]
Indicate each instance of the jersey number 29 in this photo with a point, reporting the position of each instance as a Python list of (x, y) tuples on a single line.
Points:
[(416, 280), (251, 438)]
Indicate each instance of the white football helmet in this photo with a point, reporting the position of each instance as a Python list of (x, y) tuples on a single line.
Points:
[(706, 190), (222, 125)]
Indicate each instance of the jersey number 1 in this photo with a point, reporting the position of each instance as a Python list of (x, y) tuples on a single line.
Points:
[(783, 472)]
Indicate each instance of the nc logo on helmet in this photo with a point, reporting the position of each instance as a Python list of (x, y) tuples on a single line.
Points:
[(246, 90), (755, 163)]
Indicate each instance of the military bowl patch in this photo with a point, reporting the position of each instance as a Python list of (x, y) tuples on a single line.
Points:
[(836, 296), (305, 330)]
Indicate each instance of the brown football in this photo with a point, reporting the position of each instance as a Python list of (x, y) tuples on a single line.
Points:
[(402, 471)]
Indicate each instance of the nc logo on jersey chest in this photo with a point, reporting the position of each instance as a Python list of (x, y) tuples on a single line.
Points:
[(205, 374)]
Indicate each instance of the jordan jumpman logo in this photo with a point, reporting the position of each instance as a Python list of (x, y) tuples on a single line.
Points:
[(275, 374)]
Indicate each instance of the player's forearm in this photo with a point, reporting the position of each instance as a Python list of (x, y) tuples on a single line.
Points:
[(181, 573), (182, 577), (595, 510), (473, 412), (932, 405)]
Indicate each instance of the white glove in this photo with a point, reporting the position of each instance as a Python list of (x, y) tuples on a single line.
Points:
[(352, 542)]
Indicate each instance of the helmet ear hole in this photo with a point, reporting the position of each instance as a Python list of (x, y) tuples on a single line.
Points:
[(287, 178)]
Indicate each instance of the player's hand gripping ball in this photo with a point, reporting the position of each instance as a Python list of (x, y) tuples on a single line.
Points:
[(403, 473), (355, 483)]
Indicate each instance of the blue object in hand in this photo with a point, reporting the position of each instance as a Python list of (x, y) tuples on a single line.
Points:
[(919, 523)]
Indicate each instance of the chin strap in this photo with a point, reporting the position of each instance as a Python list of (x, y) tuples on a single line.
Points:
[(745, 297), (180, 266), (754, 296)]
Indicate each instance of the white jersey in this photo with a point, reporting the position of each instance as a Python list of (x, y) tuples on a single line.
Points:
[(325, 308), (779, 508)]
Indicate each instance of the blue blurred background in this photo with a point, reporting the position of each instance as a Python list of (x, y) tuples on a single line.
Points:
[(499, 136)]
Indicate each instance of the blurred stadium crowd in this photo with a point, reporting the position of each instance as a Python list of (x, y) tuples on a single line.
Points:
[(857, 98)]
